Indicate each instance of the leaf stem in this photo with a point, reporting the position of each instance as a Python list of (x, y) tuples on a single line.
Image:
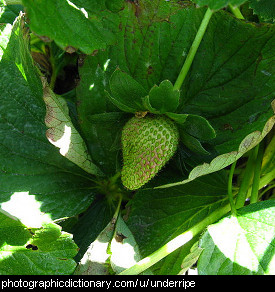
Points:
[(257, 174), (192, 52), (175, 243), (230, 195), (236, 11), (118, 207), (248, 175)]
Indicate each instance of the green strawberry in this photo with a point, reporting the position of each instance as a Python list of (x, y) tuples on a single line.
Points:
[(147, 144)]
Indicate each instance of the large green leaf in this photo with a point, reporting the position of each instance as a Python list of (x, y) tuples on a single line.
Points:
[(29, 163), (69, 25), (241, 245), (159, 215), (40, 251)]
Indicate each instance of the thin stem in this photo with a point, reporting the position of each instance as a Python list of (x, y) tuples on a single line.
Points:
[(236, 11), (248, 175), (267, 179), (175, 243), (257, 174), (269, 153), (230, 195), (192, 52), (118, 207)]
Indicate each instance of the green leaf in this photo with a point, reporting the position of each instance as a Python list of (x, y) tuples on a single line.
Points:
[(123, 247), (263, 8), (30, 165), (102, 137), (218, 4), (194, 125), (147, 105), (199, 127), (159, 215), (126, 91), (192, 143), (42, 251), (84, 232), (95, 259), (178, 118), (62, 133), (31, 214), (191, 258), (68, 25), (8, 13), (120, 105), (234, 93), (163, 98), (241, 245), (106, 117)]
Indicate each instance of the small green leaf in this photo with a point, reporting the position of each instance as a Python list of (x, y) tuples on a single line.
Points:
[(241, 245), (191, 258), (194, 125), (126, 91), (192, 143), (199, 127), (40, 251), (147, 105), (178, 118), (164, 98), (32, 169), (122, 106), (63, 134), (111, 117)]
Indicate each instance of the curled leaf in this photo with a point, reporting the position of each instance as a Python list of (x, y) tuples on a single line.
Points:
[(62, 133)]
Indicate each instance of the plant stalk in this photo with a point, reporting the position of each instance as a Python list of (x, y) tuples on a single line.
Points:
[(236, 11), (248, 175), (230, 194), (175, 243), (192, 52), (257, 174)]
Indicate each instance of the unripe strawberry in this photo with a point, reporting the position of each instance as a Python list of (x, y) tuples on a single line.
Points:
[(147, 144)]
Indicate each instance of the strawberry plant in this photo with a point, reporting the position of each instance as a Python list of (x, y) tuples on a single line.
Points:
[(136, 136)]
